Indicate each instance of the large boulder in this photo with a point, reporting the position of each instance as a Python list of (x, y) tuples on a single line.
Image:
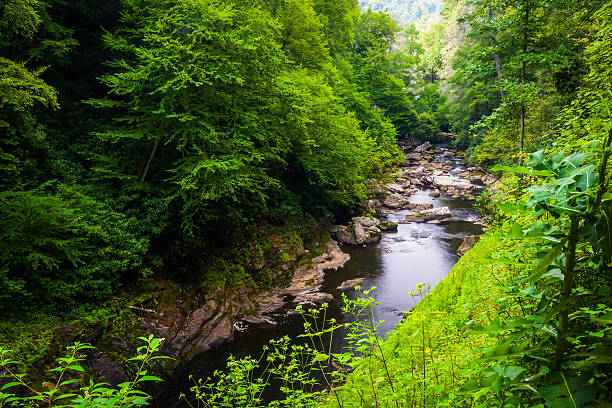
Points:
[(360, 234), (366, 222), (363, 230), (388, 226), (421, 148), (395, 201), (395, 188), (345, 236), (467, 244), (451, 181)]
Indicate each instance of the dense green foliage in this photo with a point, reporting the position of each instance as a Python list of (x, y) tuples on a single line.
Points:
[(64, 394), (134, 133), (515, 65), (199, 143)]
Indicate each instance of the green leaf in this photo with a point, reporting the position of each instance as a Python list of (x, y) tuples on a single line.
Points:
[(9, 385), (543, 265), (75, 367), (321, 357), (522, 170), (150, 378)]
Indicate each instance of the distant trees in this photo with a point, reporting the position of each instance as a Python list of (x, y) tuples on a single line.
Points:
[(404, 11), (521, 61)]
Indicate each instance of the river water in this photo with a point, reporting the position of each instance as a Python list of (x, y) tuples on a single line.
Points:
[(416, 253)]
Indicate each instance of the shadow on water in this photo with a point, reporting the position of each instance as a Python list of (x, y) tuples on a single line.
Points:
[(416, 253)]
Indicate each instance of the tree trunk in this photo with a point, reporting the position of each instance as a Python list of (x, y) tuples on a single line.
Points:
[(566, 294), (496, 57), (144, 170), (523, 70)]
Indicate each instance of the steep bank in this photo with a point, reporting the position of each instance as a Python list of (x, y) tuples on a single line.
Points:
[(191, 315), (432, 350)]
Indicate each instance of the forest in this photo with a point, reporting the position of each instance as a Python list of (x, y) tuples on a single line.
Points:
[(186, 156)]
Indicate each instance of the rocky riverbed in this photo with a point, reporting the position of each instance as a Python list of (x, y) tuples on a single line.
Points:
[(425, 168)]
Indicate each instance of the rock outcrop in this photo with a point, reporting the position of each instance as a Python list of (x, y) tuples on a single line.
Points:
[(467, 244), (395, 201), (361, 231), (304, 289), (423, 147)]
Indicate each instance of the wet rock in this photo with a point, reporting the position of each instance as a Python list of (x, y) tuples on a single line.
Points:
[(451, 181), (366, 222), (345, 236), (108, 369), (351, 284), (419, 206), (451, 219), (359, 232), (312, 299), (434, 193), (363, 230), (395, 201), (467, 244), (448, 153), (413, 157), (421, 148), (395, 188), (259, 321), (388, 226), (428, 215)]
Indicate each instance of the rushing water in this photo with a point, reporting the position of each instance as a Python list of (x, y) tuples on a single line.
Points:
[(416, 253)]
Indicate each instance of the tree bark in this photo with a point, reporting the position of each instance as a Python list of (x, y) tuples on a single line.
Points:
[(568, 285), (523, 70), (142, 174), (496, 57)]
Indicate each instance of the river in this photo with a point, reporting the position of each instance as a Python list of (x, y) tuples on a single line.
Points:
[(416, 253)]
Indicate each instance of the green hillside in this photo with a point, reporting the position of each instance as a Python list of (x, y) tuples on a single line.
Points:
[(404, 11)]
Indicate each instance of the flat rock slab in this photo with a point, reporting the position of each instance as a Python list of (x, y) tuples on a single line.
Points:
[(395, 201), (451, 181), (395, 188), (428, 215)]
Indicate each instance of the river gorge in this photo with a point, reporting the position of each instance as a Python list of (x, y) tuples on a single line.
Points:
[(415, 252)]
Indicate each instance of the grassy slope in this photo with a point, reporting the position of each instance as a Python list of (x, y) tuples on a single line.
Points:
[(426, 370)]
